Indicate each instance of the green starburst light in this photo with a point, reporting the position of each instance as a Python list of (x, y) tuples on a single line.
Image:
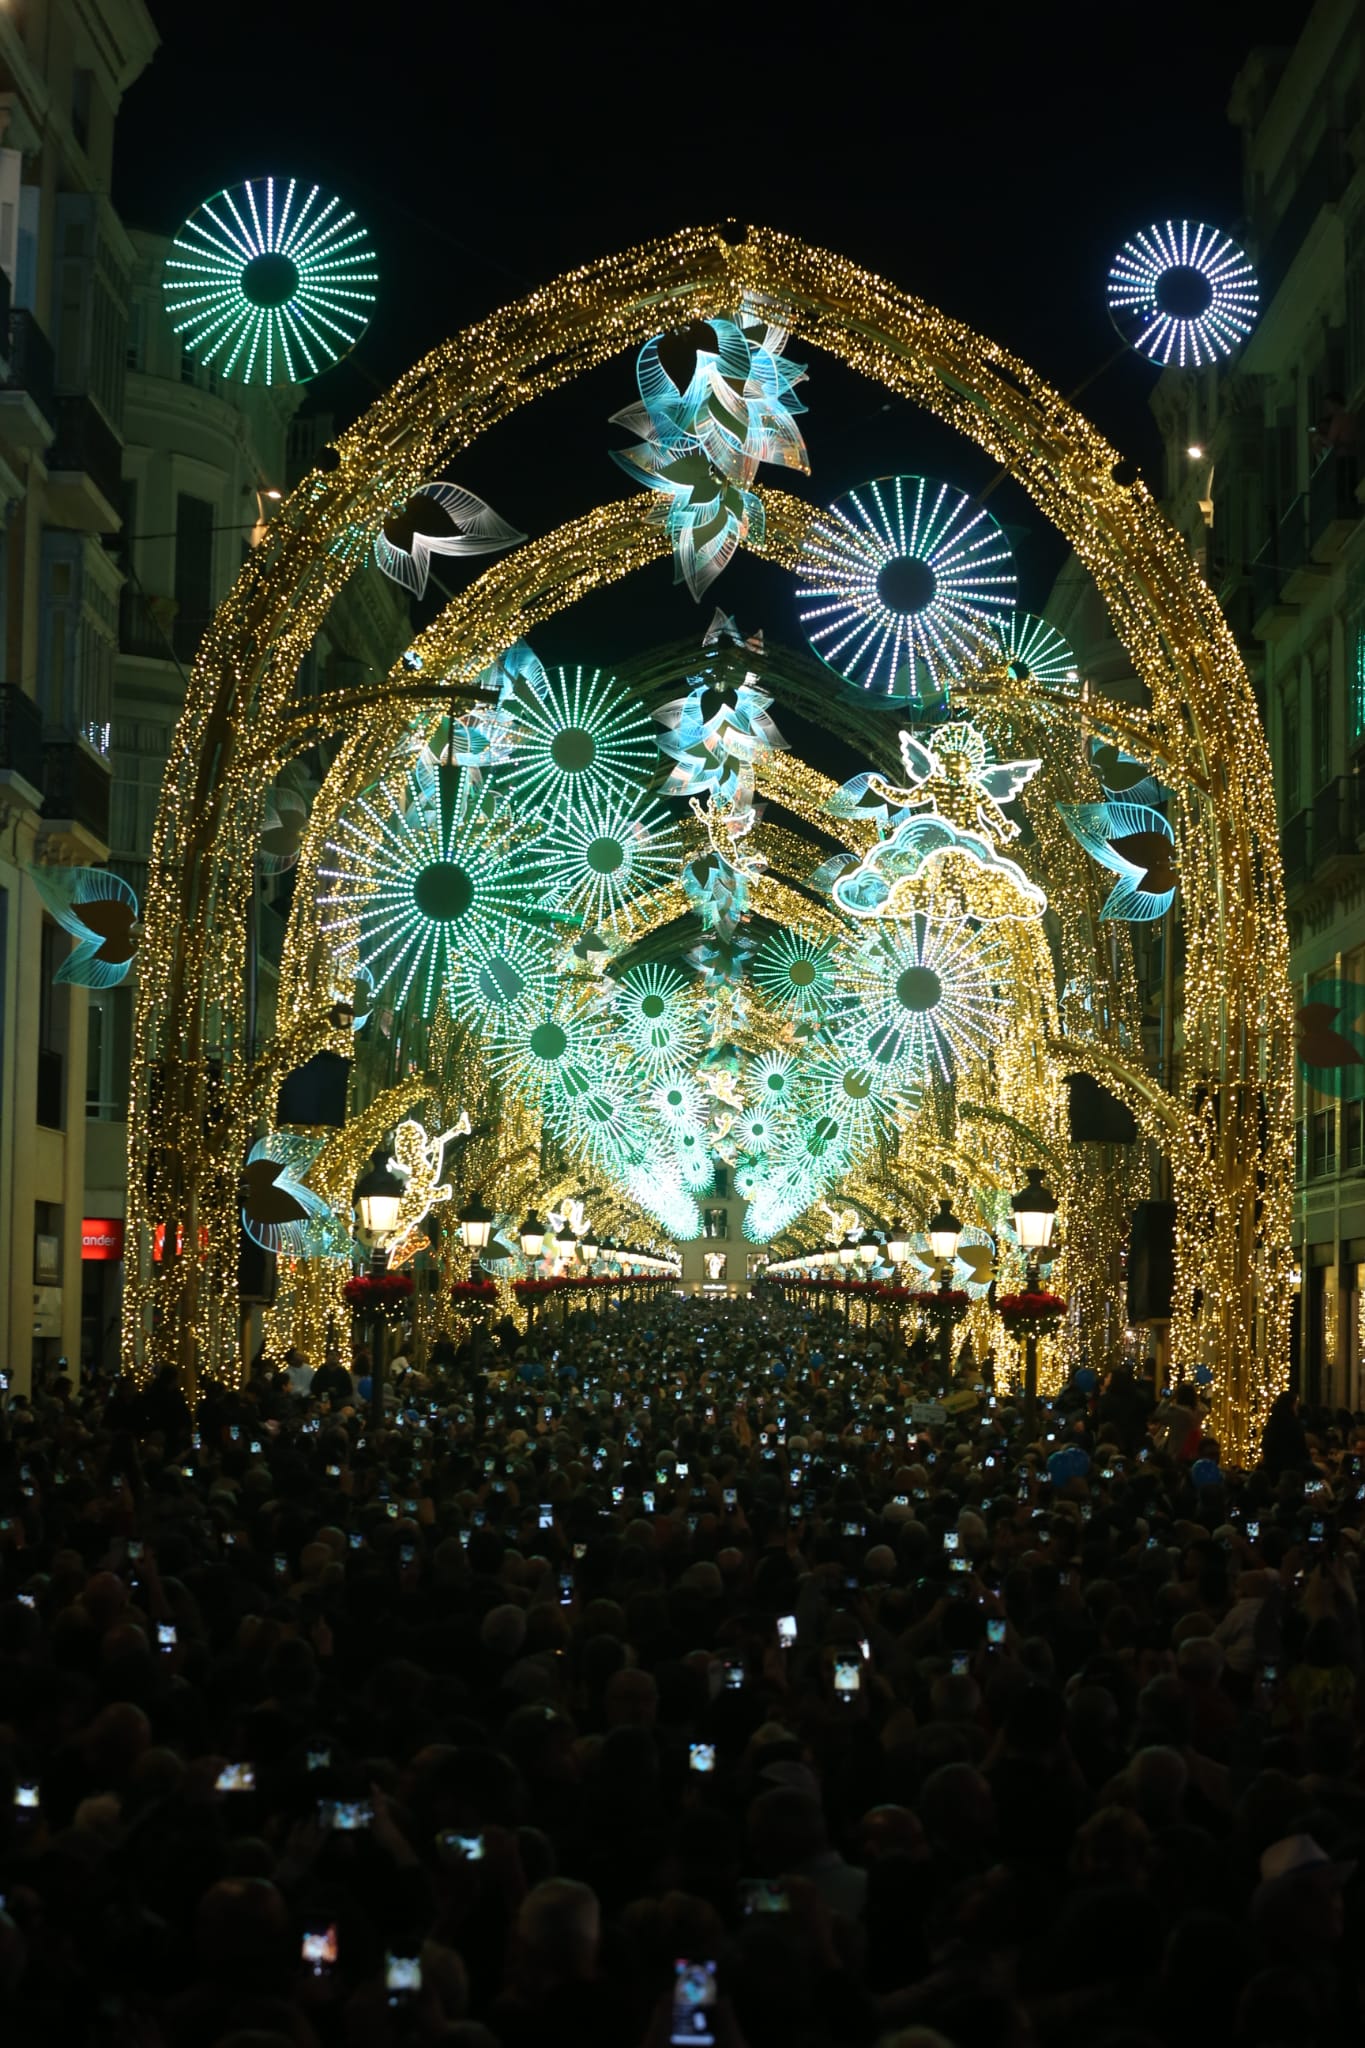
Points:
[(651, 1003), (270, 282), (606, 850), (544, 1047), (576, 736), (677, 1099), (415, 881), (506, 967), (797, 974), (772, 1082), (929, 996)]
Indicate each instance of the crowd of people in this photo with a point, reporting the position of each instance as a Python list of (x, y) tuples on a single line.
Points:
[(683, 1674)]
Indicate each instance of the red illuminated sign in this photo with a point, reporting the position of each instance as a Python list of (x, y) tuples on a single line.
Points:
[(102, 1237)]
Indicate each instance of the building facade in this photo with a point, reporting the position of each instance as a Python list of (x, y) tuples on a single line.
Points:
[(65, 264)]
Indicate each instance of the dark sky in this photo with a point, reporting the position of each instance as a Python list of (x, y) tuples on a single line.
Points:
[(987, 160)]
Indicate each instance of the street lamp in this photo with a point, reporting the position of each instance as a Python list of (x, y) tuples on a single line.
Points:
[(1035, 1212), (532, 1236), (945, 1234), (589, 1248), (377, 1197), (897, 1244), (476, 1226)]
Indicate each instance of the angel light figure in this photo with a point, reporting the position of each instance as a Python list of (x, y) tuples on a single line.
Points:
[(417, 1160)]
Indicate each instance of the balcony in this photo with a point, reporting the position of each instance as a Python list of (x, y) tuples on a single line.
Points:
[(21, 739), (1333, 510), (76, 789), (28, 408), (145, 625), (1294, 850), (84, 470)]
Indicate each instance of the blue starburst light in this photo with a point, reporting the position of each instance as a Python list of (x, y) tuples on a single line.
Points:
[(902, 583), (1184, 293), (270, 281)]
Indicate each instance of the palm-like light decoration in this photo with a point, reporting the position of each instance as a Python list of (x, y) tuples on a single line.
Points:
[(419, 881), (603, 853), (1135, 843), (716, 738), (99, 910), (438, 519), (929, 995), (279, 1212), (1184, 293), (579, 735), (1037, 653), (902, 583), (270, 281), (715, 401), (797, 974)]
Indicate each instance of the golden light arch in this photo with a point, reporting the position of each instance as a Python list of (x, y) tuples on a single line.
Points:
[(197, 1096)]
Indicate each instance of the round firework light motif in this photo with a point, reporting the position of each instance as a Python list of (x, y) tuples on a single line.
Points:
[(1037, 653), (414, 881), (651, 1004), (270, 281), (902, 583), (930, 996), (606, 850), (797, 974), (506, 967), (1184, 293), (577, 736)]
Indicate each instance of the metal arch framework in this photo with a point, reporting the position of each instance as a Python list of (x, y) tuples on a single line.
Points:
[(196, 1089)]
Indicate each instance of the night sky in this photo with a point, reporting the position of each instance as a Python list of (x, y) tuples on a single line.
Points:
[(989, 162)]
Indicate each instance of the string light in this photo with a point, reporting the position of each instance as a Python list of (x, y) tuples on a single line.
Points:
[(199, 1096)]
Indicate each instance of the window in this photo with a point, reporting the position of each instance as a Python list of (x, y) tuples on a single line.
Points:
[(135, 354), (1353, 1134), (716, 1223), (82, 92), (53, 1000), (47, 1244), (1322, 1144), (1322, 719), (1291, 771), (194, 521)]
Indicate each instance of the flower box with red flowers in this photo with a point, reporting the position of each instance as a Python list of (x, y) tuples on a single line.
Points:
[(1030, 1315), (385, 1294), (473, 1291), (949, 1304)]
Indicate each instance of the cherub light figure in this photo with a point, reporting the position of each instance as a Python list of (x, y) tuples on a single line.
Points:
[(952, 774), (417, 1160)]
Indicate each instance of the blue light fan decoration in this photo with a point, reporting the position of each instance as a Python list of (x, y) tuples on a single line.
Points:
[(1330, 1042), (99, 910), (1135, 843), (279, 1212)]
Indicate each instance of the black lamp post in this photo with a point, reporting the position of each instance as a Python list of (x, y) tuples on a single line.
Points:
[(532, 1235), (377, 1196), (1035, 1213), (945, 1234), (476, 1227)]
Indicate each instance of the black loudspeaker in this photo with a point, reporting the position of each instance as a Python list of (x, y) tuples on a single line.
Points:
[(316, 1092), (1151, 1262), (1095, 1116), (256, 1274)]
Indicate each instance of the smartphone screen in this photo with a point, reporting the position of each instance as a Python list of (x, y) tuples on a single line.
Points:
[(1253, 1532), (236, 1778), (848, 1674), (786, 1630), (402, 1977), (694, 2004), (995, 1633), (701, 1756), (318, 1949), (547, 1515), (469, 1848), (765, 1895)]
